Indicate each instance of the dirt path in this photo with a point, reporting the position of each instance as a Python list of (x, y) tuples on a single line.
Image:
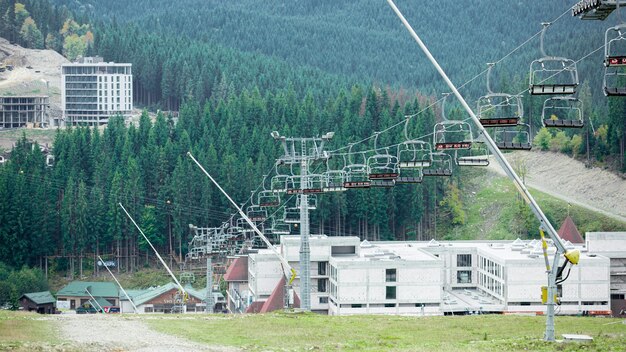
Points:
[(91, 332), (568, 179)]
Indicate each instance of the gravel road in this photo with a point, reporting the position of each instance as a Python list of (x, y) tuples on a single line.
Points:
[(566, 178), (95, 332)]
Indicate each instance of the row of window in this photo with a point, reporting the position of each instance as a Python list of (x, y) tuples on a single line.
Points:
[(97, 70), (464, 260), (490, 284), (490, 267), (69, 86)]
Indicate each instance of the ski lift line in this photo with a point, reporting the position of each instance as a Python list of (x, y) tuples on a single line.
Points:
[(120, 285), (407, 117), (182, 289), (254, 227), (491, 144)]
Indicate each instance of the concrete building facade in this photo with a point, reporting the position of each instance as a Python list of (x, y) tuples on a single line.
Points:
[(93, 90), (24, 111), (434, 278)]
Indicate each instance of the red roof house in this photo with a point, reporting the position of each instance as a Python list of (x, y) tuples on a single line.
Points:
[(569, 232), (238, 270), (276, 300)]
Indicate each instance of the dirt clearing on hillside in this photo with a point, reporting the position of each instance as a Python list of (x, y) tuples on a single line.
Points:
[(566, 178), (95, 332)]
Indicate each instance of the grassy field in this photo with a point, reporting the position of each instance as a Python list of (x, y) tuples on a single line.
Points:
[(25, 331), (306, 332)]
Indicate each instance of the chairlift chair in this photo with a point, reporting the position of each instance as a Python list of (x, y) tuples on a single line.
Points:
[(551, 74), (414, 153), (357, 174), (614, 83), (291, 215), (450, 135), (478, 155), (280, 228), (562, 112), (499, 109), (279, 183), (507, 138), (333, 181), (382, 165), (268, 199), (334, 177), (311, 200), (594, 9), (441, 165), (409, 176), (256, 213)]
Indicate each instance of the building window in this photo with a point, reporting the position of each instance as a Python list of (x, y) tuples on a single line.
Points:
[(390, 305), (356, 306), (321, 285), (390, 292), (323, 300), (321, 268), (390, 275), (463, 277), (464, 260)]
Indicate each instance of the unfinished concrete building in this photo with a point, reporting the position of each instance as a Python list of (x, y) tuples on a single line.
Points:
[(24, 111)]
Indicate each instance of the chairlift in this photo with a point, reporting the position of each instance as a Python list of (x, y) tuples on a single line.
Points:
[(334, 176), (311, 200), (409, 176), (382, 165), (268, 198), (551, 74), (513, 139), (356, 172), (280, 228), (279, 183), (594, 9), (291, 215), (562, 112), (441, 165), (413, 153), (478, 155), (615, 61), (256, 213), (498, 109), (310, 184), (451, 134)]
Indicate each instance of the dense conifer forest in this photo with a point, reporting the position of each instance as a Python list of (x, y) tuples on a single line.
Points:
[(234, 72)]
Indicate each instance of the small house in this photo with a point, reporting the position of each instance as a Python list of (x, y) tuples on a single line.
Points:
[(40, 302)]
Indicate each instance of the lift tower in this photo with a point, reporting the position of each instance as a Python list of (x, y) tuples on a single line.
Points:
[(300, 153)]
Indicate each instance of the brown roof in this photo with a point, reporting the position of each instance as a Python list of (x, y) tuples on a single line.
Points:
[(276, 300), (238, 270), (569, 232), (255, 307)]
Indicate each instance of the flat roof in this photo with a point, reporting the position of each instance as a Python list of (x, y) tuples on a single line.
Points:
[(372, 251)]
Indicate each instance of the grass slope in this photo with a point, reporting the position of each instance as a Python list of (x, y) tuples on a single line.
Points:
[(495, 211), (298, 331)]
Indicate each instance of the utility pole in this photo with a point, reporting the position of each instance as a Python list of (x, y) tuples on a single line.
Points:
[(304, 157), (209, 286)]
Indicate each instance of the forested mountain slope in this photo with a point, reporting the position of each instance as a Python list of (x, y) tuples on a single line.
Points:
[(364, 38)]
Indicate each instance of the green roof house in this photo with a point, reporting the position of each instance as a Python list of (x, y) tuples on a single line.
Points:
[(79, 293), (40, 302)]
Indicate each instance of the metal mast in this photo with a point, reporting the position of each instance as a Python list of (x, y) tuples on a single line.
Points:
[(209, 286), (544, 223), (304, 158)]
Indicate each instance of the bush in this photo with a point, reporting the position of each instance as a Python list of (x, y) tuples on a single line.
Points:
[(577, 144), (543, 139), (561, 143)]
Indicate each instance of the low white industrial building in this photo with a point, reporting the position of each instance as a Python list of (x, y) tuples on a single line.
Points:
[(428, 278)]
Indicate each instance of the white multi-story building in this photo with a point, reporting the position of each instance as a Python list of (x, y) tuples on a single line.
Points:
[(93, 90), (433, 278)]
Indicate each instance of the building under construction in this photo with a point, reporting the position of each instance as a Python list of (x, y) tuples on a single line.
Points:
[(24, 111)]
